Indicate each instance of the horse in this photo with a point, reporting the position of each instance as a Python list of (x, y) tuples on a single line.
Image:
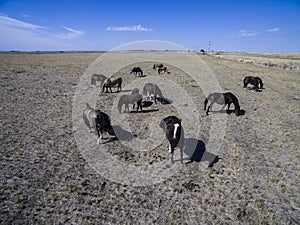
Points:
[(99, 121), (157, 65), (222, 98), (174, 133), (137, 71), (97, 77), (103, 125), (130, 99), (88, 116), (151, 88), (112, 82), (162, 70), (255, 81)]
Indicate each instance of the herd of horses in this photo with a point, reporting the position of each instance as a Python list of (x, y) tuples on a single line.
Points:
[(171, 125)]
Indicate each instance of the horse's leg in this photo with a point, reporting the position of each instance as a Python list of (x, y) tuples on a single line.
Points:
[(223, 107), (139, 105), (205, 103), (228, 111), (99, 132), (209, 107), (181, 154)]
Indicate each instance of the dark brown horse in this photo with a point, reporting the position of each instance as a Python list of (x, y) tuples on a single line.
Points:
[(222, 99), (113, 81), (255, 81), (157, 65), (162, 70), (174, 133), (97, 120), (103, 125), (137, 71)]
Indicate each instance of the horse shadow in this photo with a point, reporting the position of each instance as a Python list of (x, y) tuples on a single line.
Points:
[(126, 91), (145, 111), (230, 111), (164, 101), (120, 135), (147, 104), (196, 151), (255, 89)]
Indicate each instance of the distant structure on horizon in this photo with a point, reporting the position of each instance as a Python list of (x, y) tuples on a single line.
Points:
[(209, 46)]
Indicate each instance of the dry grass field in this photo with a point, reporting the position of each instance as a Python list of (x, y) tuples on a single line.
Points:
[(46, 178)]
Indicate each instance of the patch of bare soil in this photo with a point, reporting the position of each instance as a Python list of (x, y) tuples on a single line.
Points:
[(45, 178)]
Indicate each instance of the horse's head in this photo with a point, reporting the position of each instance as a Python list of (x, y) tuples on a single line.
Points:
[(237, 111), (158, 92), (236, 106)]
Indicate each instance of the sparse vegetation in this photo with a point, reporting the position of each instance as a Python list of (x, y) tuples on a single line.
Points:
[(45, 179)]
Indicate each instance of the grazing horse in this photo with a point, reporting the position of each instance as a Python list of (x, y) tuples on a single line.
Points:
[(97, 120), (174, 133), (157, 65), (112, 82), (88, 116), (222, 98), (137, 71), (162, 70), (255, 81), (150, 88), (97, 77), (130, 99), (103, 125)]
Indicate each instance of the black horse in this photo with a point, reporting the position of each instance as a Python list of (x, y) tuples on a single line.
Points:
[(137, 71), (103, 125), (222, 98), (255, 81)]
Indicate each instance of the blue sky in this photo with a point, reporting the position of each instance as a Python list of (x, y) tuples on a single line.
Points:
[(256, 26)]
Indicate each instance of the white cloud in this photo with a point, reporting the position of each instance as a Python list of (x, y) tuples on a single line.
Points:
[(275, 29), (246, 33), (71, 34), (6, 21), (23, 14), (20, 35), (129, 28)]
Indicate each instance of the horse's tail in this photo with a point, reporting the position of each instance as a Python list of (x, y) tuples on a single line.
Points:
[(104, 84), (120, 103), (244, 82), (205, 103), (145, 90), (92, 80)]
